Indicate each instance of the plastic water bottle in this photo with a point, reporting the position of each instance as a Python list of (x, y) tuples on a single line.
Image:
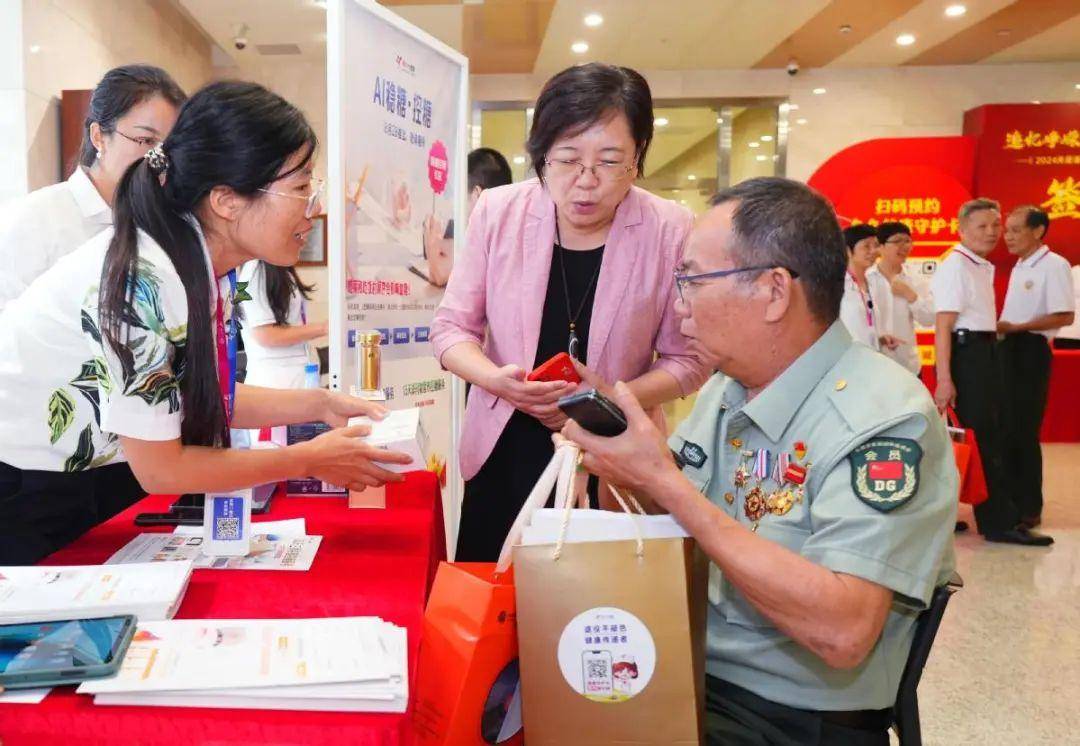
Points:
[(227, 524), (311, 376)]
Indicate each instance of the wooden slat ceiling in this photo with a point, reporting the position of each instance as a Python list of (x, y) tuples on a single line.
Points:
[(1011, 25), (819, 41)]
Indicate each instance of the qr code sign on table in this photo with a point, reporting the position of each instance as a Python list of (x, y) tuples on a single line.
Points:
[(227, 529)]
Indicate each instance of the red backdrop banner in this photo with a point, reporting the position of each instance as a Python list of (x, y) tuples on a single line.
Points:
[(1029, 154)]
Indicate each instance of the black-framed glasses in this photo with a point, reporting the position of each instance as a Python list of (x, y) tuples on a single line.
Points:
[(684, 280), (141, 140)]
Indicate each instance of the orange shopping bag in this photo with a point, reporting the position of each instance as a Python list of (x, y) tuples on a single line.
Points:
[(968, 463), (467, 682)]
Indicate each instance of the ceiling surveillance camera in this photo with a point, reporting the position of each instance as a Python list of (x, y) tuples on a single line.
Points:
[(793, 67), (240, 40)]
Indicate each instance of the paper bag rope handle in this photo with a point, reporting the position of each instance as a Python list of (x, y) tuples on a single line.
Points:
[(565, 524)]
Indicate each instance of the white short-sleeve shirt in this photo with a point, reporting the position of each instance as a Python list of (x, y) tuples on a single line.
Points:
[(906, 315), (867, 316), (43, 226), (274, 367), (65, 394), (964, 284), (1072, 331), (1040, 285)]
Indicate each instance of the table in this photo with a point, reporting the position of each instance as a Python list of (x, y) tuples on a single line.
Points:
[(371, 562)]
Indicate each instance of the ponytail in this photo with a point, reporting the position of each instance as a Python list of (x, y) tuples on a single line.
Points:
[(281, 283), (141, 202)]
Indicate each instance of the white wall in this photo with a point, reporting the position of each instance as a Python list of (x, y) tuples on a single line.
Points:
[(52, 45)]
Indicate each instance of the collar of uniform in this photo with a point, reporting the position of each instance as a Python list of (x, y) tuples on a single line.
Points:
[(86, 195), (1035, 257), (971, 255), (773, 409)]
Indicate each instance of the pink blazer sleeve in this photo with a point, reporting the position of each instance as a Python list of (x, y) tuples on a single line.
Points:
[(675, 353), (462, 315)]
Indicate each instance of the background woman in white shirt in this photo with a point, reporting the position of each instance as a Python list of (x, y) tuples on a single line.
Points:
[(124, 351), (131, 110), (275, 327), (912, 302), (866, 306)]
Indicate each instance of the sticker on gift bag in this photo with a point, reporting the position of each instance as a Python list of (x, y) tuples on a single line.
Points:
[(607, 655)]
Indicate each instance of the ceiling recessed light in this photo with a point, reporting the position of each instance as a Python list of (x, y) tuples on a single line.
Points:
[(1078, 86), (766, 138), (905, 40), (845, 29), (691, 177), (819, 91), (955, 11), (1036, 102), (593, 20), (661, 121), (800, 120), (579, 47), (762, 158), (755, 144), (519, 160)]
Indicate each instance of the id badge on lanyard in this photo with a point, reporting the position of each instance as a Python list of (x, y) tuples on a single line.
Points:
[(226, 350)]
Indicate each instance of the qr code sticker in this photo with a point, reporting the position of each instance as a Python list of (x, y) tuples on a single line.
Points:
[(227, 529), (597, 669)]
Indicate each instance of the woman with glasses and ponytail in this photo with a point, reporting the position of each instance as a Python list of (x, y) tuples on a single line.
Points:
[(117, 366), (131, 110), (577, 261)]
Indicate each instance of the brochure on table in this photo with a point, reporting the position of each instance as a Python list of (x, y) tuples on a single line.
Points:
[(42, 594), (348, 663)]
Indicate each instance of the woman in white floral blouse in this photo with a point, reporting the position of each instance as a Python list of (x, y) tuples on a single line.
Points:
[(117, 366)]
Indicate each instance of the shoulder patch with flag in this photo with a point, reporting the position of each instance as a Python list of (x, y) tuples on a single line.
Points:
[(693, 454), (885, 472)]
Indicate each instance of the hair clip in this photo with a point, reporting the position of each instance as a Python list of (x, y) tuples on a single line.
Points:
[(156, 159)]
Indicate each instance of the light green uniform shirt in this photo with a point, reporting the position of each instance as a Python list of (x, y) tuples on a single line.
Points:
[(853, 409)]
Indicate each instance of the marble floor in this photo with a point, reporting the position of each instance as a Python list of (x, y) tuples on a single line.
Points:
[(1005, 668)]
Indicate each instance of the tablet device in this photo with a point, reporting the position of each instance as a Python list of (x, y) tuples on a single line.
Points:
[(41, 654)]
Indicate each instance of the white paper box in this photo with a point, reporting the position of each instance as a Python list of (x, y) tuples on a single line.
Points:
[(401, 431)]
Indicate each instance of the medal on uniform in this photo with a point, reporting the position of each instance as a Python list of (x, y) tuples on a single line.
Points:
[(761, 465), (754, 505), (800, 450), (795, 474), (729, 498)]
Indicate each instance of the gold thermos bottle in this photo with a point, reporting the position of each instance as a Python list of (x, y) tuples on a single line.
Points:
[(370, 360)]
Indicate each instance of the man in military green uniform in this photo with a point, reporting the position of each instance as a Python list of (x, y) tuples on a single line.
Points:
[(815, 473)]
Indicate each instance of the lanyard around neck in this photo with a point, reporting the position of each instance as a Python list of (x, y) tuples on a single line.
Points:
[(867, 301), (226, 335)]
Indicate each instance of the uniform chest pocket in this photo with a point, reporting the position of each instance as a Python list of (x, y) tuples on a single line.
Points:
[(733, 605)]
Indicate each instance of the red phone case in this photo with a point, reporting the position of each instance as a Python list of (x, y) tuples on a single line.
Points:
[(558, 368)]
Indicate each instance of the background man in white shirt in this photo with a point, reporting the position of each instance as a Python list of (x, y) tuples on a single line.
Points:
[(1039, 302), (968, 366), (1068, 337)]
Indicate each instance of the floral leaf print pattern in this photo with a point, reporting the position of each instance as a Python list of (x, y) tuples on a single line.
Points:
[(87, 384), (88, 324), (61, 414), (84, 451), (157, 387), (241, 293), (146, 359)]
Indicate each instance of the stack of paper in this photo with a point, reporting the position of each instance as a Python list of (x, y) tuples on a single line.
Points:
[(43, 594), (275, 545), (350, 664), (598, 525)]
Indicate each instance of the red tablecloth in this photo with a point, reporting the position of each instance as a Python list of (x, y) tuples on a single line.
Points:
[(1061, 424), (370, 563)]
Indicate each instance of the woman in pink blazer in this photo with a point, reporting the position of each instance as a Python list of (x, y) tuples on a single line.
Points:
[(580, 261)]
